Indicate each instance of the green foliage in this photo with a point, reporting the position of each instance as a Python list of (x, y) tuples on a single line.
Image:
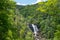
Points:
[(6, 18), (52, 8), (13, 21)]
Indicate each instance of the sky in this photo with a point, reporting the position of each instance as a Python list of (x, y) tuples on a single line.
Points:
[(27, 2)]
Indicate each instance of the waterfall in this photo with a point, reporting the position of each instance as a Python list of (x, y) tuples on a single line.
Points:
[(35, 29)]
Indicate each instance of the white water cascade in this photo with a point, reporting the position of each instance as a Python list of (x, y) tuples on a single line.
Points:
[(35, 29)]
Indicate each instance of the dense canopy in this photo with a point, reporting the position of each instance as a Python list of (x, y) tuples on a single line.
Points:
[(14, 20)]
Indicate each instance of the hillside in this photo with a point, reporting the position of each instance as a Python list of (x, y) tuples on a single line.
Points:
[(40, 21)]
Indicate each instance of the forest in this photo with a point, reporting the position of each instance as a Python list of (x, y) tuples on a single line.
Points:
[(14, 20)]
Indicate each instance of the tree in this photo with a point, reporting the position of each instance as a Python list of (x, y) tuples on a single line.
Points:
[(6, 18), (52, 9)]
